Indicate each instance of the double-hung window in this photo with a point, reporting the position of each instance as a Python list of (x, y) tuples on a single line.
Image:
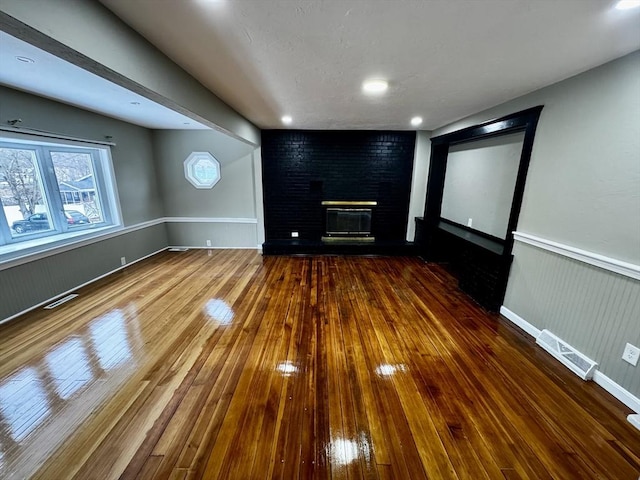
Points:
[(53, 192)]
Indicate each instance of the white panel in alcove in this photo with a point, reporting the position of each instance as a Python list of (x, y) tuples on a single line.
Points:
[(480, 181)]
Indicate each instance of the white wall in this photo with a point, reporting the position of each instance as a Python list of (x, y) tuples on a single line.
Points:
[(421, 161)]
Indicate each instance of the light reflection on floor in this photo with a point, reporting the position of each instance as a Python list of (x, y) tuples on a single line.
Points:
[(287, 368), (388, 369), (343, 451), (219, 310), (70, 380)]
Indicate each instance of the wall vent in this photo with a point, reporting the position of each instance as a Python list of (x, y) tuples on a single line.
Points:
[(178, 249), (60, 301), (567, 355)]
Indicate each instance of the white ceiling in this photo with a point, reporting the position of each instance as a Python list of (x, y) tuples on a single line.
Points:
[(52, 77), (444, 59)]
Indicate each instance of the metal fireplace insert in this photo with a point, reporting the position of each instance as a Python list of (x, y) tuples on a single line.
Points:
[(348, 220)]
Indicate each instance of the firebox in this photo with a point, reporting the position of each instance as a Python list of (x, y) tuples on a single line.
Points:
[(348, 220)]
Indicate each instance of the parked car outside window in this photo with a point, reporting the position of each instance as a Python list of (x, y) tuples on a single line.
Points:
[(75, 217), (39, 221)]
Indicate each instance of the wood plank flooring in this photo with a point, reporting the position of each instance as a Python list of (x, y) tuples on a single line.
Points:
[(227, 365)]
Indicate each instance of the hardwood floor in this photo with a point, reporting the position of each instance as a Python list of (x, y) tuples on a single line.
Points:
[(228, 365)]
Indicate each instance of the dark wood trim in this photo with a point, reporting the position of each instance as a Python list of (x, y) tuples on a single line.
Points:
[(483, 240), (432, 245), (499, 126)]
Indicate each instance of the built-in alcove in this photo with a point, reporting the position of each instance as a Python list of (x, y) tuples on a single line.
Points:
[(474, 193)]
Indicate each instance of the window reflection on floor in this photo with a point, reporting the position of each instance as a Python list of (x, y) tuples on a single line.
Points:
[(110, 339), (23, 403), (69, 367), (63, 386)]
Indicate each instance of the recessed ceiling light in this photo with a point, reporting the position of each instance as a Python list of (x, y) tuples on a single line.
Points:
[(375, 87), (627, 4), (415, 121), (287, 120), (25, 59)]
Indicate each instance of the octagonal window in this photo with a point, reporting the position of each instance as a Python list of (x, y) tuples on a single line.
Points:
[(202, 170)]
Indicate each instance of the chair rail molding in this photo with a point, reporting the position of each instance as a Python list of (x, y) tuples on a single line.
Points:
[(607, 263)]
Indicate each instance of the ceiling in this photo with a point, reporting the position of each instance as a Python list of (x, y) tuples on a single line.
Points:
[(444, 59), (49, 76)]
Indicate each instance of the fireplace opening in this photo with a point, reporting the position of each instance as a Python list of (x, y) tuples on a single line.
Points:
[(348, 221)]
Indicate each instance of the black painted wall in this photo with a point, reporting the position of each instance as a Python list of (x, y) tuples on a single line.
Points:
[(300, 169)]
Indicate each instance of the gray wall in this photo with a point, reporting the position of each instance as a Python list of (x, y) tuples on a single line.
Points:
[(583, 190), (232, 198), (132, 156), (26, 285), (479, 183), (90, 36)]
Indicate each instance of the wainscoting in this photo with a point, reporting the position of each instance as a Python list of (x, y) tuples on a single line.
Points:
[(24, 286), (592, 308), (221, 232)]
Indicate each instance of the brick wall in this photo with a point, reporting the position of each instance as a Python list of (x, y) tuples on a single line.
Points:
[(302, 168)]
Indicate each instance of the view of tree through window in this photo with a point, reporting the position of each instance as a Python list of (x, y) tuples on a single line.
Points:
[(21, 189), (49, 190)]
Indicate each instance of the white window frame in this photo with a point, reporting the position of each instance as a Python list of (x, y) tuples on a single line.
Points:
[(191, 174), (104, 178)]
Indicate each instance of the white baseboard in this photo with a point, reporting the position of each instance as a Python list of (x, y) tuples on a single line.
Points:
[(67, 292), (599, 378), (626, 397), (634, 420), (520, 322)]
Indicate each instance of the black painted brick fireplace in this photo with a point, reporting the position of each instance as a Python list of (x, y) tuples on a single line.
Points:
[(300, 169)]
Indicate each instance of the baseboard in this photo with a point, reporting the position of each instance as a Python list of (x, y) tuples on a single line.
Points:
[(634, 420), (626, 397), (520, 322), (599, 378), (67, 292)]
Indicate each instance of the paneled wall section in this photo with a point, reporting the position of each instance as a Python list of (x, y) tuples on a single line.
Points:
[(594, 310), (29, 284)]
